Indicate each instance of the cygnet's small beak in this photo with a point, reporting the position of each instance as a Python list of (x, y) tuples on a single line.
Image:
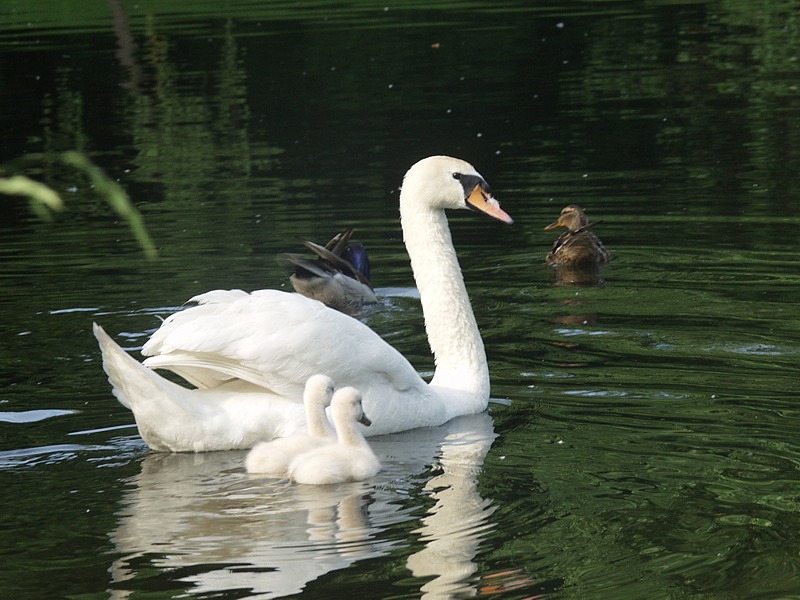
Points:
[(364, 420), (484, 202)]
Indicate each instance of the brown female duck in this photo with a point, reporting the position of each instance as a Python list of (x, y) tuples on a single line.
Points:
[(577, 249)]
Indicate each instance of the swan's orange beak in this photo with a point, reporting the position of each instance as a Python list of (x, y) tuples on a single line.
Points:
[(484, 202)]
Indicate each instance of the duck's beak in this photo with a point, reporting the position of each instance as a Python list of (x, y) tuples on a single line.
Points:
[(364, 420), (554, 225), (484, 202)]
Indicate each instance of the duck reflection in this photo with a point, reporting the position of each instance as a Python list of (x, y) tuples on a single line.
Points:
[(577, 256), (201, 523)]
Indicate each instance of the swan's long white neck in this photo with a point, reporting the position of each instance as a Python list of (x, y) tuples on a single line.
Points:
[(449, 321)]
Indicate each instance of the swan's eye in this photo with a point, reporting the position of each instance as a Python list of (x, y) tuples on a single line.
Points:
[(457, 176)]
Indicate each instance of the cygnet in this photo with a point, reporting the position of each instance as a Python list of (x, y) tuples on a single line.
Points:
[(350, 458), (274, 457)]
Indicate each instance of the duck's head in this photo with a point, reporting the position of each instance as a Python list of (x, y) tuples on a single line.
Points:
[(572, 217), (356, 255), (442, 182)]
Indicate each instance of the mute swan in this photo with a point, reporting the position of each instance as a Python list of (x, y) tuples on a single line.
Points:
[(255, 351), (339, 277), (348, 459), (274, 456)]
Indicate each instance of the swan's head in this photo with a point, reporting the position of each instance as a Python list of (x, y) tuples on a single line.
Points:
[(346, 406), (572, 217), (442, 182), (318, 390)]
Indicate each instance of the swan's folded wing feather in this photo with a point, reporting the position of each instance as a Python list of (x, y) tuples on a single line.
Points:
[(219, 296), (202, 372), (275, 340)]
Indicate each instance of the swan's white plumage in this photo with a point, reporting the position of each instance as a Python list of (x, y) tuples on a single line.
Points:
[(172, 418), (270, 342), (277, 340), (273, 457), (349, 458)]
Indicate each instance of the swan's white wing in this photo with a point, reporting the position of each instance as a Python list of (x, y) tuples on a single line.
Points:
[(276, 340)]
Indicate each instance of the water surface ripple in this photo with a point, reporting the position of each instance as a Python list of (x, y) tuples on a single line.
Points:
[(643, 441)]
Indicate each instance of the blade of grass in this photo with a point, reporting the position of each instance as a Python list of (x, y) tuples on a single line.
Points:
[(116, 197), (43, 199)]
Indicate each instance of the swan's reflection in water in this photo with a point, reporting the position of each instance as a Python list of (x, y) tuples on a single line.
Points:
[(203, 525), (452, 529)]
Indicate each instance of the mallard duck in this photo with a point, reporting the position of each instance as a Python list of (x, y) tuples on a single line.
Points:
[(250, 354), (577, 254), (338, 277), (349, 458)]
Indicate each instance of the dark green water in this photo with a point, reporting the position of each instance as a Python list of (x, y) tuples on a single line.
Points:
[(646, 445)]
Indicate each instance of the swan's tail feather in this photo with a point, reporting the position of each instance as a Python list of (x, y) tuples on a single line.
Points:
[(130, 379), (110, 351)]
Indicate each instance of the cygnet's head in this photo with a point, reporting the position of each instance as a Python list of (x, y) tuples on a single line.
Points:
[(318, 390), (346, 407)]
